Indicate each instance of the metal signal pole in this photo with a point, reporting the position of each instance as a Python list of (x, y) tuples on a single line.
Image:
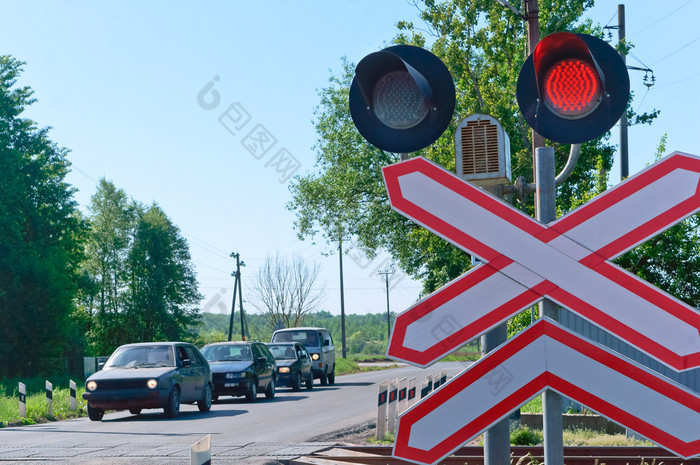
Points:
[(386, 274), (237, 283), (342, 296)]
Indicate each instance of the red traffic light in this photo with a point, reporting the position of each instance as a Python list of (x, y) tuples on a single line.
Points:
[(401, 98), (572, 88)]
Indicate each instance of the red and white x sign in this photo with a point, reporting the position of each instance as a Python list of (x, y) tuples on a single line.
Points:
[(548, 356), (566, 261)]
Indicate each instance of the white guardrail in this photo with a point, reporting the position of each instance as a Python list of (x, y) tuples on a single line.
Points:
[(397, 395)]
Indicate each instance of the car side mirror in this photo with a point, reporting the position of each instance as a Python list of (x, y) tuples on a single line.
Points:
[(100, 366), (261, 360), (186, 363), (326, 343)]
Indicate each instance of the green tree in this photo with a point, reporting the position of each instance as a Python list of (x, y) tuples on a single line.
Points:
[(40, 236), (112, 221), (162, 297)]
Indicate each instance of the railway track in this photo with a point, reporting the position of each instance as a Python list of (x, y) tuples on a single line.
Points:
[(524, 455)]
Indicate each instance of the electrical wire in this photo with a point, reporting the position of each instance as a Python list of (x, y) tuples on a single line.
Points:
[(663, 17), (677, 50)]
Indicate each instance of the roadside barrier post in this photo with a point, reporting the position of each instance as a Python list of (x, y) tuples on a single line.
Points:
[(381, 409), (427, 386), (412, 398), (403, 400), (201, 451), (22, 400), (72, 395), (49, 399), (393, 391)]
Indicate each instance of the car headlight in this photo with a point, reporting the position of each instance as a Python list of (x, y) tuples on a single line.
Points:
[(314, 356), (152, 383), (91, 386), (284, 369)]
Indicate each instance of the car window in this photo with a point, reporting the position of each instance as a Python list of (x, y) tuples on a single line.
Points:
[(227, 353), (303, 336), (192, 355), (302, 353), (281, 351), (141, 356)]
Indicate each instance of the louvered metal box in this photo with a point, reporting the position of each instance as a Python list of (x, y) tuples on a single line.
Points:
[(482, 149)]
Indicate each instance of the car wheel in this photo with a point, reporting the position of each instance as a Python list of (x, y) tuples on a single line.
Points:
[(172, 408), (331, 376), (204, 404), (214, 398), (270, 391), (94, 413), (134, 411), (324, 378), (297, 383), (252, 393), (310, 382)]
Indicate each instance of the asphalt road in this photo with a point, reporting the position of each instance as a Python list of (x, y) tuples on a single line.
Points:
[(270, 429)]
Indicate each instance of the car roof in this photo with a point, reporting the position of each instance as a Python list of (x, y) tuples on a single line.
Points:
[(312, 328), (147, 344), (232, 343)]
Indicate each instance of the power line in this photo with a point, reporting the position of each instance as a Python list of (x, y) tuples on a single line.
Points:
[(663, 17), (677, 50)]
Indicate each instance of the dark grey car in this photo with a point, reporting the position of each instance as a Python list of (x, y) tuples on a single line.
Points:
[(150, 375), (241, 368)]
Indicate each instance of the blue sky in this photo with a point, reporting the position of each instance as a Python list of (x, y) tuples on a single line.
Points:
[(119, 81)]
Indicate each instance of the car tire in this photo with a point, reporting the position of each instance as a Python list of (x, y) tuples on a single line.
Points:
[(214, 398), (134, 411), (252, 393), (310, 382), (94, 413), (270, 391), (172, 408), (331, 376), (296, 385), (204, 404), (324, 378)]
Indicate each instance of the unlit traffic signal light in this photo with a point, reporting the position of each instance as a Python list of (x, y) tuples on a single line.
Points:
[(573, 88), (401, 98)]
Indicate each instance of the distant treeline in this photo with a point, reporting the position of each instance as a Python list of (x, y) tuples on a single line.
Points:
[(364, 333)]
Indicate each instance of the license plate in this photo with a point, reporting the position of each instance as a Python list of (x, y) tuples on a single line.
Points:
[(230, 384)]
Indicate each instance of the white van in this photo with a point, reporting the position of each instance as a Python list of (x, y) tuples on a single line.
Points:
[(319, 343)]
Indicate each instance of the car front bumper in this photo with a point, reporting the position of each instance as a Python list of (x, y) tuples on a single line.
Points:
[(124, 399)]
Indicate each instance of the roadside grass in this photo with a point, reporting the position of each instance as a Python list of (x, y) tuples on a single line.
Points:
[(36, 403), (525, 436)]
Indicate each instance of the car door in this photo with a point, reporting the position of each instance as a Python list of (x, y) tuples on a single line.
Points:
[(304, 359), (199, 374), (261, 369), (187, 374)]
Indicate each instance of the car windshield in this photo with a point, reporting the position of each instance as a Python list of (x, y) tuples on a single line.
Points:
[(227, 353), (304, 336), (142, 357), (282, 351)]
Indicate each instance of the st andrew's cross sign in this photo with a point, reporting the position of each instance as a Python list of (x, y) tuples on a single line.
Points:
[(567, 261)]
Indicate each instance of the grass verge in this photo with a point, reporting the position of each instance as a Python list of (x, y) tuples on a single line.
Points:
[(37, 407)]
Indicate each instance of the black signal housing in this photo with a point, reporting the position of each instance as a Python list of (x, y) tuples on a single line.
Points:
[(402, 98), (573, 88)]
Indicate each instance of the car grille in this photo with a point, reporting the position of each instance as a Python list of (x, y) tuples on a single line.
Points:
[(121, 384)]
